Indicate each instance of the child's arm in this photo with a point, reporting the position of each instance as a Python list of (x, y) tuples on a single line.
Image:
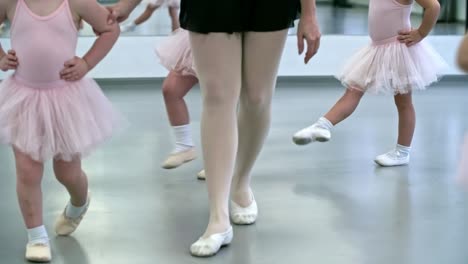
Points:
[(8, 61), (121, 10), (431, 13), (462, 57), (95, 15)]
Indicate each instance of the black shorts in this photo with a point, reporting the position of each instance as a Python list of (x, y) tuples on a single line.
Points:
[(229, 16)]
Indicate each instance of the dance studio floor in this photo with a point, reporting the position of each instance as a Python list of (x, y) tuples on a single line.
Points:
[(325, 203)]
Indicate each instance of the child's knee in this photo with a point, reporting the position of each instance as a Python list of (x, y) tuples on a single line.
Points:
[(69, 178), (67, 172), (404, 102), (168, 89), (355, 92), (64, 177)]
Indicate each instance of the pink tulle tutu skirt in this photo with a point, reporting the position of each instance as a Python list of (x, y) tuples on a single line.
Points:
[(175, 53), (60, 122), (390, 67)]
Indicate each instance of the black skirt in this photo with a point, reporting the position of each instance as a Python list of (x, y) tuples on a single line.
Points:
[(229, 16)]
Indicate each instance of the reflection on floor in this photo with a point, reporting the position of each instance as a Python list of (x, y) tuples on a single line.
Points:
[(348, 21), (326, 203)]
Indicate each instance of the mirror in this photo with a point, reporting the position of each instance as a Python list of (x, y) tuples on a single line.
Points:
[(336, 17), (349, 17)]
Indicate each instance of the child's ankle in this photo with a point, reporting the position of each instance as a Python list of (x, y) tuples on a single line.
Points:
[(38, 235)]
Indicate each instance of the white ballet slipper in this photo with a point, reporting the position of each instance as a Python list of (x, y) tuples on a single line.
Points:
[(244, 215), (312, 133), (392, 158), (38, 252), (209, 246), (65, 226), (176, 159), (201, 175)]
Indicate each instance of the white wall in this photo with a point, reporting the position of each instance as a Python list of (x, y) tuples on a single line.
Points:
[(133, 57)]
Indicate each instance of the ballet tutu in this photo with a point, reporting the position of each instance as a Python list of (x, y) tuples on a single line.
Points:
[(60, 122), (171, 3), (390, 67), (175, 53)]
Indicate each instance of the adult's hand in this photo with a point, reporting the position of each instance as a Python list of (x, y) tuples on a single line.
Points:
[(309, 32)]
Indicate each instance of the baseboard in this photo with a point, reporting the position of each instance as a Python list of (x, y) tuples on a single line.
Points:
[(312, 81)]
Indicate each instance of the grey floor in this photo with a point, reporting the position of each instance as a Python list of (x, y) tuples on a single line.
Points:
[(324, 203), (347, 21)]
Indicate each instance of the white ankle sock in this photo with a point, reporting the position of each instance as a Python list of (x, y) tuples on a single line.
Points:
[(38, 235), (404, 150), (74, 212), (325, 123), (183, 137)]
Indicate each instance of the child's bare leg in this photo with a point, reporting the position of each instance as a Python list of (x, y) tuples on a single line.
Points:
[(406, 124), (71, 175), (175, 87), (28, 185), (406, 118), (29, 176), (345, 106)]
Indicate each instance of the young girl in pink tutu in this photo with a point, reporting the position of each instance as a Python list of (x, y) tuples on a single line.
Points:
[(48, 110), (397, 62), (176, 56)]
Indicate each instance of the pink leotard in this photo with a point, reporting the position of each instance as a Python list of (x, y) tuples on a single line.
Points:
[(386, 18), (53, 38)]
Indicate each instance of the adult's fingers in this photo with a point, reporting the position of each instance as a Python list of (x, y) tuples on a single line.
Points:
[(300, 41), (313, 44)]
